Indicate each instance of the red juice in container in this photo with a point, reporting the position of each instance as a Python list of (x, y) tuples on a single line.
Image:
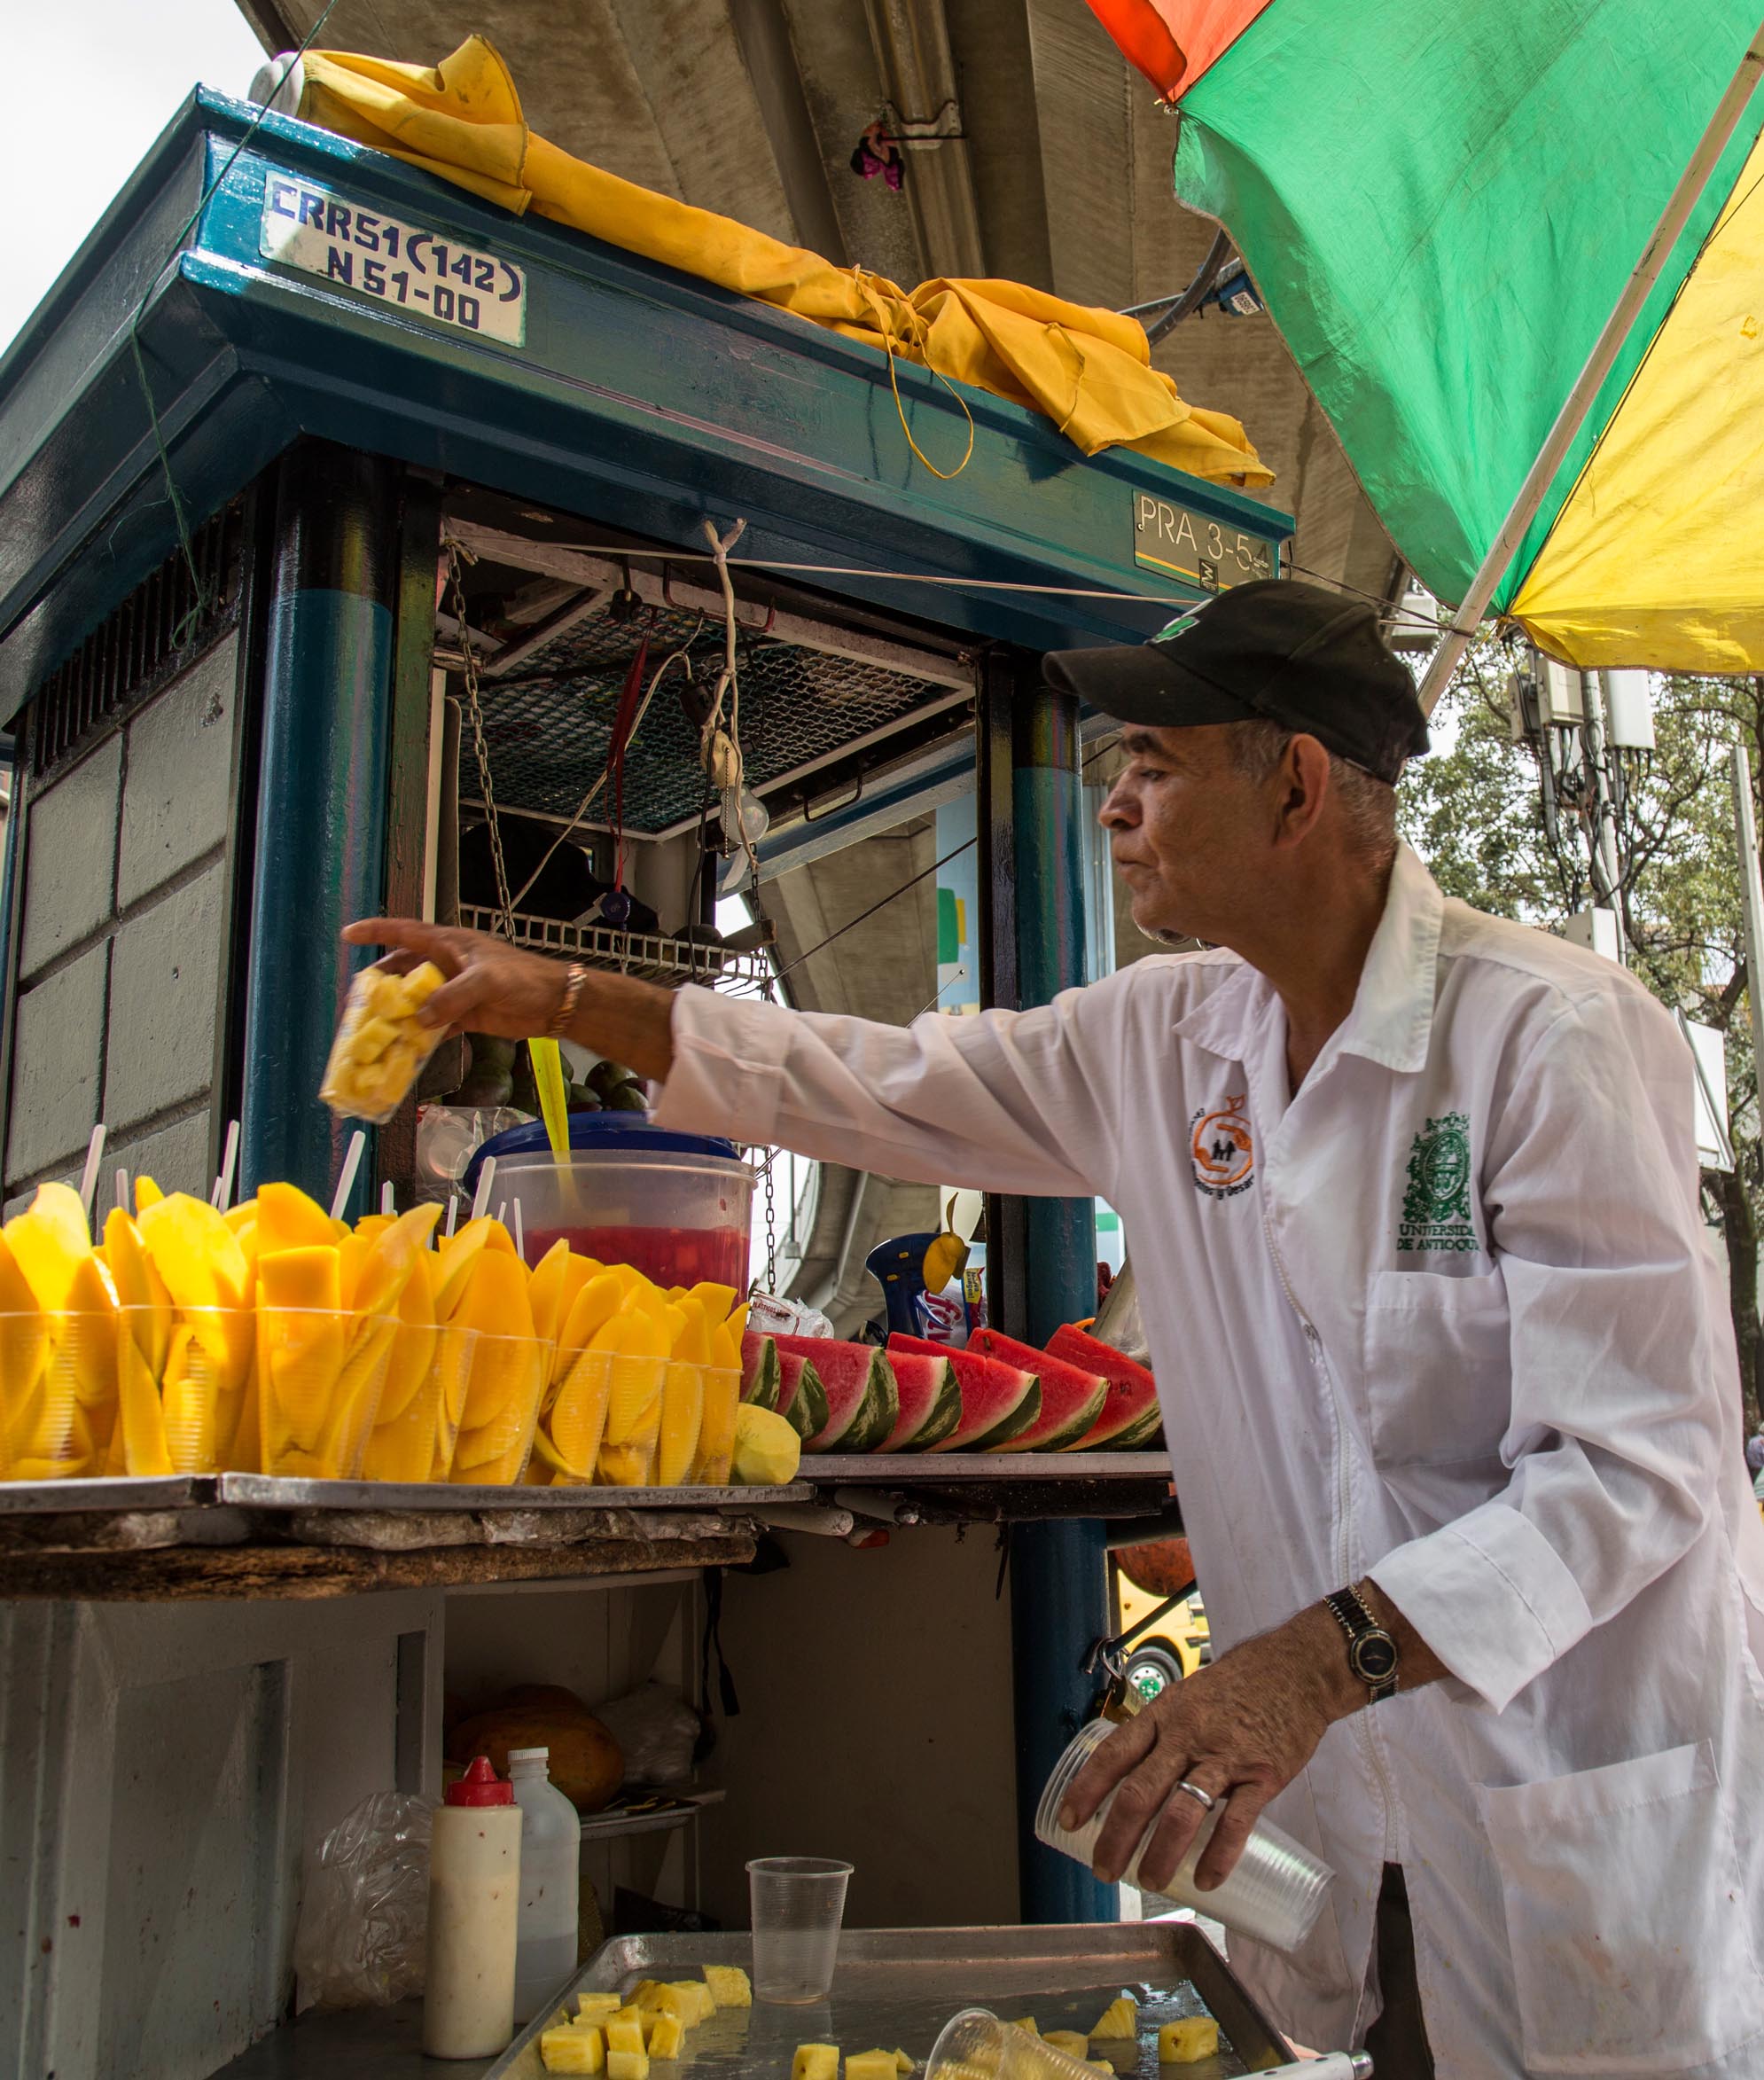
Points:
[(675, 1207)]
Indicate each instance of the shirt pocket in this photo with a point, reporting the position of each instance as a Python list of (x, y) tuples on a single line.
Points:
[(1630, 1935), (1439, 1368)]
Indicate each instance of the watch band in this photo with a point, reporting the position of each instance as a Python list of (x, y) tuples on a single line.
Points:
[(574, 976), (1371, 1652)]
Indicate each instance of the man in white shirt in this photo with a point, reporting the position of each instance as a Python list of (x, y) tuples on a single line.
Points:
[(1445, 1366)]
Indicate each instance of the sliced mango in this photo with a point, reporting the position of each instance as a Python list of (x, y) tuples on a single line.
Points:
[(287, 1219), (576, 1422), (683, 1411)]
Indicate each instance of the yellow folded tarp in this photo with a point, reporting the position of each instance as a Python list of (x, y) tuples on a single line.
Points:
[(1089, 370)]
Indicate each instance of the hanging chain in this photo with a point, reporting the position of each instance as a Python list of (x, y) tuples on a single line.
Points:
[(771, 1221), (474, 714)]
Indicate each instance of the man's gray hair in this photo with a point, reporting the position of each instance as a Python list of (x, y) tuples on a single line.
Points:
[(1368, 804)]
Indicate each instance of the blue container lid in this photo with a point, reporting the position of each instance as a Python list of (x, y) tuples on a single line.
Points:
[(599, 1133)]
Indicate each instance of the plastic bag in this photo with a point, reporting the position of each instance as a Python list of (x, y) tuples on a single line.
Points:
[(656, 1732), (768, 1316), (364, 1915), (382, 1045)]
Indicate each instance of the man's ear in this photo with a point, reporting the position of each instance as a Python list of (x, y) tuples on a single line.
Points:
[(1303, 783)]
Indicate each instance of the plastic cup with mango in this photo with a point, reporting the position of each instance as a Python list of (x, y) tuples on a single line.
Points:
[(382, 1045)]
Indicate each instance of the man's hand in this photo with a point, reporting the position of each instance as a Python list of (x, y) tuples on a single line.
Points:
[(496, 987), (1240, 1730)]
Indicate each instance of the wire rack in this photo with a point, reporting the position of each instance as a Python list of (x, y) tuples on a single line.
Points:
[(649, 956), (546, 724)]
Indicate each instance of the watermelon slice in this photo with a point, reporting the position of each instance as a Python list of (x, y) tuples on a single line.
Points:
[(1072, 1399), (1130, 1418), (858, 1382), (802, 1399), (998, 1402), (761, 1379), (931, 1402)]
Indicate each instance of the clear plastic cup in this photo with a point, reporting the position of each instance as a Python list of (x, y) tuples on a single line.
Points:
[(319, 1375), (183, 1387), (57, 1393), (976, 2045), (798, 1903), (494, 1439), (1273, 1896)]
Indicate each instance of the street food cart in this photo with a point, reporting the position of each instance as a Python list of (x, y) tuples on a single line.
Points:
[(260, 504)]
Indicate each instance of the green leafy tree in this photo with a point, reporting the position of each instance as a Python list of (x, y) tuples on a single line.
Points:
[(1506, 837)]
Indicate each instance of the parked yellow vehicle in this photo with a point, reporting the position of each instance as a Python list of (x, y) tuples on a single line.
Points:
[(1170, 1650)]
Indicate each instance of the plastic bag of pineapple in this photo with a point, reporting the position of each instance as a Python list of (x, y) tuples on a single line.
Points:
[(381, 1045)]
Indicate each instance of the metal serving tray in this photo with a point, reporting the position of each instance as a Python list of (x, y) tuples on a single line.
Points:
[(896, 1987)]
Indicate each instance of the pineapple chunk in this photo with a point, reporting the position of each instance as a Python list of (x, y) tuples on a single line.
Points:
[(728, 1986), (1099, 2065), (625, 2033), (700, 2002), (1188, 2042), (628, 2065), (572, 2049), (1120, 2018), (645, 1997), (816, 2061), (667, 2036), (871, 2065), (1073, 2043), (1029, 2023), (594, 2007)]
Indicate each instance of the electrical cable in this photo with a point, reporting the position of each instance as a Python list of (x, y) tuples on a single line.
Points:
[(864, 916)]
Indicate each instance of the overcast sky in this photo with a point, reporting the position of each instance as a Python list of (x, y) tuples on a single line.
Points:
[(105, 76)]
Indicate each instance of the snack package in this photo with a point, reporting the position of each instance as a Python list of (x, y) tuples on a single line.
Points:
[(380, 1046)]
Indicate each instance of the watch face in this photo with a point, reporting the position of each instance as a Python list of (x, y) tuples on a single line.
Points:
[(1374, 1655)]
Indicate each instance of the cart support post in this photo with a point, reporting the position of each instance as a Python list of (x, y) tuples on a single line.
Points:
[(321, 846), (1033, 906)]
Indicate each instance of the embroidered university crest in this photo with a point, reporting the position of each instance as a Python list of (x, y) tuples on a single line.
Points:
[(1436, 1203), (1221, 1150)]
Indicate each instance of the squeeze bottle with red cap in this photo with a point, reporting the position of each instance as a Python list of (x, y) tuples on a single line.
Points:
[(474, 1912)]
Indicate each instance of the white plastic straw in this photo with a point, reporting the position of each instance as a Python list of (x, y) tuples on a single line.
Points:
[(502, 1208), (487, 1178), (122, 1198), (452, 1213), (346, 1181), (520, 1232), (389, 1202), (88, 1182), (223, 1184)]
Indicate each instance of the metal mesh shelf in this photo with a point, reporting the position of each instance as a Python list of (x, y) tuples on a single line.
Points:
[(647, 955), (547, 723)]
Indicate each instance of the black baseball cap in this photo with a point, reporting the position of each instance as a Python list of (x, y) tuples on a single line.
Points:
[(1276, 651)]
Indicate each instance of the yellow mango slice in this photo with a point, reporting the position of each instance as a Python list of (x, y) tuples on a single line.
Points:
[(683, 1410), (190, 1400), (592, 1309), (140, 1290), (577, 1420), (24, 1334), (302, 1336), (42, 1251), (356, 1400), (546, 1291), (146, 1194), (238, 1216), (458, 1254), (716, 1432), (716, 1300), (391, 1259), (287, 1219), (140, 1422), (62, 1208), (625, 1466), (413, 1349)]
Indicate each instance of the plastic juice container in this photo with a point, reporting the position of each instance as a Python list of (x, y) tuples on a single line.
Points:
[(475, 1909), (550, 1864)]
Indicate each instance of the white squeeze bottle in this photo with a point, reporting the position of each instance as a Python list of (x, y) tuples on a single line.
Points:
[(474, 1910), (550, 1862)]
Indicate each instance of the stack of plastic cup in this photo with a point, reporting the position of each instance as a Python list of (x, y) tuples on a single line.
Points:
[(798, 1903), (1273, 1896)]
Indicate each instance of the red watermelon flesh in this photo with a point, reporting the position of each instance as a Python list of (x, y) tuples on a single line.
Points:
[(863, 1400), (931, 1402), (998, 1402), (1072, 1399), (1130, 1418), (801, 1402)]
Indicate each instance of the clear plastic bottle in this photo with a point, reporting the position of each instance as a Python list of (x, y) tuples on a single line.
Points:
[(550, 1862), (475, 1904)]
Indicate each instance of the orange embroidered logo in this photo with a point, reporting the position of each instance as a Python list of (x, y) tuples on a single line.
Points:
[(1221, 1151)]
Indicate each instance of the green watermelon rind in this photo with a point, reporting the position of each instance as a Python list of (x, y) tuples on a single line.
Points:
[(874, 1414), (1026, 1412), (763, 1378), (1011, 1424), (1081, 1418), (1138, 1434), (806, 1414), (946, 1410)]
